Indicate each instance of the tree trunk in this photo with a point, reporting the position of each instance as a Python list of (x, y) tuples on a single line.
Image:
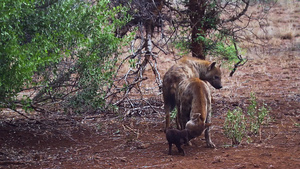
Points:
[(196, 14)]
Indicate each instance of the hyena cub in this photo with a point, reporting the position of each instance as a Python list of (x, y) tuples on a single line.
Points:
[(177, 137), (193, 99)]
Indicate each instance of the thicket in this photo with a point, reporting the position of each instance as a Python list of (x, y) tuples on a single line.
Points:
[(57, 52)]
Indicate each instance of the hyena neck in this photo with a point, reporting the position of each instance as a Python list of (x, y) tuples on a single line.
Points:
[(201, 68)]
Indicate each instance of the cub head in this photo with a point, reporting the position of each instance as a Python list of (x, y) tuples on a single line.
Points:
[(196, 125), (213, 75)]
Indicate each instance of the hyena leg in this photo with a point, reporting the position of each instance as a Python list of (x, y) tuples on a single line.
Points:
[(180, 150), (185, 116), (178, 122), (170, 148), (209, 143), (178, 118), (167, 112), (181, 120), (169, 106)]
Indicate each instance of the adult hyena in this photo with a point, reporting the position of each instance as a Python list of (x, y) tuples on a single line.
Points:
[(187, 67), (193, 99)]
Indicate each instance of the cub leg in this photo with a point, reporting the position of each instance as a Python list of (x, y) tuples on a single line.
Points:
[(170, 148), (180, 150)]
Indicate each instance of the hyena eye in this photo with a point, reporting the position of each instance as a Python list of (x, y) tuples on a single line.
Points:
[(216, 77)]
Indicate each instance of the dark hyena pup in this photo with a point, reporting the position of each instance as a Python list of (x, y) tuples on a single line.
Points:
[(177, 137)]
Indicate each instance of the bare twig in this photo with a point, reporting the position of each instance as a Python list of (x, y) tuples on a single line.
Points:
[(15, 110), (239, 63)]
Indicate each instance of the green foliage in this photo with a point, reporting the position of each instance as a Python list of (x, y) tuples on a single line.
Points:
[(235, 126), (174, 113), (182, 46), (181, 43), (132, 63), (215, 45), (258, 115), (215, 41), (19, 59), (219, 45), (62, 49)]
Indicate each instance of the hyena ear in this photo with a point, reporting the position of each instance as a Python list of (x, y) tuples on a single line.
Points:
[(211, 66), (195, 116), (207, 125)]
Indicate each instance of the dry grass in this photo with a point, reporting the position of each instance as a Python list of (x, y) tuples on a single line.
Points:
[(281, 25), (285, 32)]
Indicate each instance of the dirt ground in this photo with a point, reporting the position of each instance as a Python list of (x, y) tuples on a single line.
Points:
[(113, 140)]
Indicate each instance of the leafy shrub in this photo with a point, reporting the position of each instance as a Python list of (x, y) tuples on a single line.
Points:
[(62, 50), (235, 126), (257, 115), (182, 46), (215, 44)]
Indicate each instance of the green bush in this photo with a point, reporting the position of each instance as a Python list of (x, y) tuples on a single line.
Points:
[(235, 126), (257, 115), (60, 49)]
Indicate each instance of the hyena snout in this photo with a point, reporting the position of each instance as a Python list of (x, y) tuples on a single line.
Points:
[(213, 76), (216, 83), (218, 86)]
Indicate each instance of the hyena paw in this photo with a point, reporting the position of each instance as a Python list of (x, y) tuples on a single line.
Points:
[(189, 143), (211, 145)]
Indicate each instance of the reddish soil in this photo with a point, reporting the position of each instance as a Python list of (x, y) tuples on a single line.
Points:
[(113, 140)]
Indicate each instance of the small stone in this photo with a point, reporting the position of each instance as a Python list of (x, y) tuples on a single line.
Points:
[(256, 165), (123, 159), (217, 159), (143, 145)]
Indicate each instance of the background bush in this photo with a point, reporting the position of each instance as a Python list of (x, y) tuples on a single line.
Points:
[(57, 51), (238, 124)]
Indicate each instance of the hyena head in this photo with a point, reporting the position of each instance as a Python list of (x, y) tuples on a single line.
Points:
[(196, 125), (213, 76)]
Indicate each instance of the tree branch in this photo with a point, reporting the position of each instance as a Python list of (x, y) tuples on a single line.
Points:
[(247, 2)]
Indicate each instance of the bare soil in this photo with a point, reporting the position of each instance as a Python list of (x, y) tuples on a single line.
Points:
[(115, 140)]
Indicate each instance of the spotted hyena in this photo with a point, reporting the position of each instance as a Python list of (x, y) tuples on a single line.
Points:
[(193, 99), (187, 67)]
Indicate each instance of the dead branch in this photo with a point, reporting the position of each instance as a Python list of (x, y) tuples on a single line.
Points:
[(232, 19), (241, 61), (15, 110), (128, 89)]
